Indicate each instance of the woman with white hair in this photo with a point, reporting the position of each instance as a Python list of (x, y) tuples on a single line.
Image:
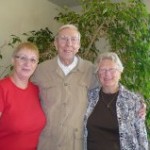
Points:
[(112, 121)]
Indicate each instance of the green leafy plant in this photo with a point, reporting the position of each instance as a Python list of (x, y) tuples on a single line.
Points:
[(42, 38), (126, 25), (5, 69)]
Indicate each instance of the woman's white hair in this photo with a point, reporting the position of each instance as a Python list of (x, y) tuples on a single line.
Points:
[(112, 56)]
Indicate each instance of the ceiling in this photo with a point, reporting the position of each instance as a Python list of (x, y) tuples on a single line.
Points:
[(62, 3)]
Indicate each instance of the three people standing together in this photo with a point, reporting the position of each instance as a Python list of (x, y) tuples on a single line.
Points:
[(67, 86)]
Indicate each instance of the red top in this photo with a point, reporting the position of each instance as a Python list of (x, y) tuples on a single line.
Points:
[(22, 117)]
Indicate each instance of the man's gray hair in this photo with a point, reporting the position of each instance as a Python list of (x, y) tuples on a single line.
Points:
[(68, 26)]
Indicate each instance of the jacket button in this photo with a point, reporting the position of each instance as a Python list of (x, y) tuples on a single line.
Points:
[(65, 84)]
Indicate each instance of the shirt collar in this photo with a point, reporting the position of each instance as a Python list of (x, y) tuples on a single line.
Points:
[(67, 69)]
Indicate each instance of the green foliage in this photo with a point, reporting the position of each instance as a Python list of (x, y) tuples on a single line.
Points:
[(3, 68), (42, 38), (126, 24)]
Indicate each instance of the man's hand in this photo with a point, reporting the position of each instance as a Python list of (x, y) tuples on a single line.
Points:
[(142, 111)]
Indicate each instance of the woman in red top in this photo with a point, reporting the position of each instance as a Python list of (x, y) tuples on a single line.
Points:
[(21, 116)]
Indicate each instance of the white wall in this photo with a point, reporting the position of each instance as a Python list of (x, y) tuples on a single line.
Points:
[(19, 16)]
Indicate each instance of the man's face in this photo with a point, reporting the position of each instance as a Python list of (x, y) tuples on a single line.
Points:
[(67, 44)]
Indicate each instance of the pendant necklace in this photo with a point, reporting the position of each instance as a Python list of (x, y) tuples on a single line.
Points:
[(111, 101)]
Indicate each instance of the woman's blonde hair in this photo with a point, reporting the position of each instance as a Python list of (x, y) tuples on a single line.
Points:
[(27, 45)]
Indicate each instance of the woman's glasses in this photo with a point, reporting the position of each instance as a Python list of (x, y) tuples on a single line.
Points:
[(110, 70), (25, 59)]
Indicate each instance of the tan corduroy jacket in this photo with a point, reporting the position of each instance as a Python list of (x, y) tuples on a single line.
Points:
[(64, 100)]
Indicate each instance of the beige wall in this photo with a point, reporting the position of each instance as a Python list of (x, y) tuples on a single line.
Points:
[(147, 2), (18, 16)]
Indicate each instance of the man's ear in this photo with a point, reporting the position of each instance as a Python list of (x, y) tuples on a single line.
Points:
[(56, 45)]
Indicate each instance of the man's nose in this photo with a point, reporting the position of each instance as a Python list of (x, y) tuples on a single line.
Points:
[(69, 41)]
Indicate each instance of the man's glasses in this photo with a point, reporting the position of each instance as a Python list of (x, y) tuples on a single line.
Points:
[(65, 39), (24, 59)]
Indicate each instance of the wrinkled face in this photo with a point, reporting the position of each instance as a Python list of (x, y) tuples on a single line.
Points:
[(67, 44), (25, 63), (109, 74)]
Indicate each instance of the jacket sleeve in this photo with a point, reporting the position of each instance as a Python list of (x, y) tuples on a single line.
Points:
[(140, 127)]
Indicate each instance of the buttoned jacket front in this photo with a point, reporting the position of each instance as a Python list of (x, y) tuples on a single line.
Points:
[(64, 100)]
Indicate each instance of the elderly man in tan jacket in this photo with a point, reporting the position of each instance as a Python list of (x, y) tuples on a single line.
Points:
[(64, 82)]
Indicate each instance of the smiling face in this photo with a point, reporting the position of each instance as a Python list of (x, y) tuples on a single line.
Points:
[(109, 75), (67, 44), (24, 63)]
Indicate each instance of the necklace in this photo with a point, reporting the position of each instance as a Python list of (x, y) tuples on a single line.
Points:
[(108, 105)]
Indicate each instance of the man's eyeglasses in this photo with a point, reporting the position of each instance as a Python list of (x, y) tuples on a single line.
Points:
[(65, 39), (24, 59)]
